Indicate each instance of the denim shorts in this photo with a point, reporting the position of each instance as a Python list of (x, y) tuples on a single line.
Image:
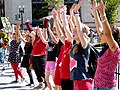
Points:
[(112, 88)]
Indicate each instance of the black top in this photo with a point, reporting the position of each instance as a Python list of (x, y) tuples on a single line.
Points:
[(28, 48), (52, 51), (82, 58), (58, 47)]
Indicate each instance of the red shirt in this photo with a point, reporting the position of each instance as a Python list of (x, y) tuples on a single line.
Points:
[(39, 48), (65, 67), (57, 79)]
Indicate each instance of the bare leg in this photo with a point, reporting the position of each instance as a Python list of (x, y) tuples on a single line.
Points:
[(47, 74), (58, 87)]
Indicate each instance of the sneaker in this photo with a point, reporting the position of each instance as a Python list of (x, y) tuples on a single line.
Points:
[(3, 69), (14, 81), (47, 88), (45, 84), (31, 85), (40, 86), (28, 84), (22, 80)]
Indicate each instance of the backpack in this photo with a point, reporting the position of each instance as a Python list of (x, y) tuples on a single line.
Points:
[(92, 63)]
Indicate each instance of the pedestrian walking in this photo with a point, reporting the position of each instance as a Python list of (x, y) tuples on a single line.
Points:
[(2, 53)]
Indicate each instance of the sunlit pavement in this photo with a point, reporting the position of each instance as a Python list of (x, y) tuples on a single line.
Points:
[(7, 76)]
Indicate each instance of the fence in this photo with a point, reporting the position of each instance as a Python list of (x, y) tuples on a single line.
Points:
[(118, 75)]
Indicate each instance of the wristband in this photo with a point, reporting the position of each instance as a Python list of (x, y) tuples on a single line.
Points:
[(76, 12), (103, 15), (104, 20)]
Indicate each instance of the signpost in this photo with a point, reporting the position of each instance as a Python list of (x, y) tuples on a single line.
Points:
[(6, 24)]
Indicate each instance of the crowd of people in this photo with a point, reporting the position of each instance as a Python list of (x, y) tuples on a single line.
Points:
[(62, 50)]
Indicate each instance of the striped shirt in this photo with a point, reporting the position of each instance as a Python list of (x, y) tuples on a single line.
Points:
[(106, 66)]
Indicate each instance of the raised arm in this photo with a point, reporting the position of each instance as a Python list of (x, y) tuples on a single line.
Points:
[(28, 26), (57, 26), (68, 33), (17, 32), (98, 23), (52, 35), (71, 19), (42, 33), (78, 24), (113, 45)]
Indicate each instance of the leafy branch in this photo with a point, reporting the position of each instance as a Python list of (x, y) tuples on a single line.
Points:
[(111, 9)]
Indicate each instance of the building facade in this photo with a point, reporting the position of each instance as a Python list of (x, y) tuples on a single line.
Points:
[(13, 7)]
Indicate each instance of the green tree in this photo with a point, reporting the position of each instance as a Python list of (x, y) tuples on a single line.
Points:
[(53, 3), (111, 9)]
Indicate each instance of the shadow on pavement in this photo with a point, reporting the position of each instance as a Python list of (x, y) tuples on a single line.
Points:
[(10, 87), (4, 83)]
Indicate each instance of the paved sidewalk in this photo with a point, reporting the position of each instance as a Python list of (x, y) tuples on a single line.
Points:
[(7, 76)]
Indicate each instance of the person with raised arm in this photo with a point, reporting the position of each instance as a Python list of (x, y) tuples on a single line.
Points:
[(38, 60), (110, 55), (14, 55), (39, 55), (26, 57), (80, 52), (51, 56), (65, 36)]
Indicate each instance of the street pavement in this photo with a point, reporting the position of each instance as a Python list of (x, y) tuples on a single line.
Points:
[(7, 76)]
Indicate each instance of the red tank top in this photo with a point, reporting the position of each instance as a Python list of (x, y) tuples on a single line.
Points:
[(39, 48)]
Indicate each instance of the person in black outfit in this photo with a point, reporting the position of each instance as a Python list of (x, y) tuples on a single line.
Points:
[(27, 56)]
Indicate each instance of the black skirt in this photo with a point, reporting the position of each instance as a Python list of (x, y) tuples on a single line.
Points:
[(25, 61)]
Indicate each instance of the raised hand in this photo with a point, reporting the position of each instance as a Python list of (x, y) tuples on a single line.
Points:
[(94, 6), (63, 9), (77, 6), (101, 7)]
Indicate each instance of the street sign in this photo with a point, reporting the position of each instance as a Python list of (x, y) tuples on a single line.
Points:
[(6, 24)]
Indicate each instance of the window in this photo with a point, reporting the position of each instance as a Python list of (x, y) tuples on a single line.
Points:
[(2, 10), (38, 11)]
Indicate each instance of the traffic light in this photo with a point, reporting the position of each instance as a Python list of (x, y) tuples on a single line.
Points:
[(17, 17)]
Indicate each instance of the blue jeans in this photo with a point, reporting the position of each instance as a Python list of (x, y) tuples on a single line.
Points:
[(113, 88)]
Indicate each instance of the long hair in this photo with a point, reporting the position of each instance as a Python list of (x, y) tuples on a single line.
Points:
[(115, 32)]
